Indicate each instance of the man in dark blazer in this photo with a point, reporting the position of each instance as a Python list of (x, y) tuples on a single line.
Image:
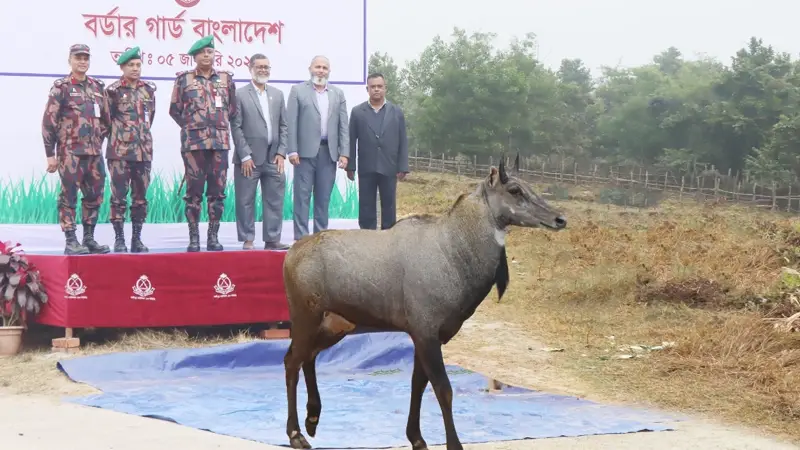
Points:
[(260, 136), (379, 151)]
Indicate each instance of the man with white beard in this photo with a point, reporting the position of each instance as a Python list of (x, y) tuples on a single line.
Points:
[(318, 143), (260, 138)]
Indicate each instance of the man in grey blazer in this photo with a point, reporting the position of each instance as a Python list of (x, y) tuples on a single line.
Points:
[(259, 134), (318, 144), (379, 150)]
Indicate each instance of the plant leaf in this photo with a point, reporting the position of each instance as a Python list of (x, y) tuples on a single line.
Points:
[(14, 279), (8, 295), (22, 298), (4, 260)]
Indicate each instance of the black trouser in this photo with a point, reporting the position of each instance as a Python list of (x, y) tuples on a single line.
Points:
[(368, 186)]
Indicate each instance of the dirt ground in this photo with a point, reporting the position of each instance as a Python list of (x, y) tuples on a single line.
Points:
[(485, 345)]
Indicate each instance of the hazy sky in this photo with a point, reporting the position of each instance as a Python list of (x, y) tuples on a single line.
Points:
[(601, 32)]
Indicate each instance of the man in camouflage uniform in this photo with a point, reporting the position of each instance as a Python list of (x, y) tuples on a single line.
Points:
[(129, 152), (73, 128), (203, 105)]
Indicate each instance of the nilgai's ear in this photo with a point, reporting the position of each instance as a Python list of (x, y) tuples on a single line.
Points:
[(494, 176), (503, 174)]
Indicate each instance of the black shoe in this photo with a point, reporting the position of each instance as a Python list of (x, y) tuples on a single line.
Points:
[(119, 237), (90, 243), (276, 246), (74, 247), (136, 239), (213, 244), (194, 238)]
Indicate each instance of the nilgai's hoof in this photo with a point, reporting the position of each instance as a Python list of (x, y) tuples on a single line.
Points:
[(311, 425), (420, 445), (299, 441)]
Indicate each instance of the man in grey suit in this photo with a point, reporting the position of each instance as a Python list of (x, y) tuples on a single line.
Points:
[(259, 134), (318, 144), (379, 149)]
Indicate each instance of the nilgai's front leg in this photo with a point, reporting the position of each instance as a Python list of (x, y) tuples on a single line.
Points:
[(433, 362), (419, 380)]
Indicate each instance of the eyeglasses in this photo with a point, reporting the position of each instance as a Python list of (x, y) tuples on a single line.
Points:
[(262, 67)]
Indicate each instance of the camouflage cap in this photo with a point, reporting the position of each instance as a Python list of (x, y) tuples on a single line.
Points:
[(78, 49), (132, 53), (207, 41)]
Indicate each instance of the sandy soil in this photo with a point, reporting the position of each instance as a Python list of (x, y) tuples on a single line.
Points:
[(41, 422)]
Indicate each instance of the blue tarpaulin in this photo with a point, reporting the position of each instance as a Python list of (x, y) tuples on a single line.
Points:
[(364, 382)]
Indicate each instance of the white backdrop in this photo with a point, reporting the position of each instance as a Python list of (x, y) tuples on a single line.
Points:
[(38, 40)]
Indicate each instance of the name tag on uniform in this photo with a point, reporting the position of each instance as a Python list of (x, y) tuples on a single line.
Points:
[(96, 110), (218, 101), (146, 116)]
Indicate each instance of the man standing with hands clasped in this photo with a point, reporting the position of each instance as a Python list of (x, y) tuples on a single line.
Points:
[(318, 144), (259, 133), (129, 154), (378, 135)]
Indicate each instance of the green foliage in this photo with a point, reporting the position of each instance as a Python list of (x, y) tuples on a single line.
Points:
[(34, 202), (467, 97), (557, 192), (790, 279), (629, 197)]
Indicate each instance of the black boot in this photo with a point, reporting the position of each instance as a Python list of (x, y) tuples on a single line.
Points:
[(74, 247), (194, 238), (136, 240), (119, 237), (213, 244), (90, 243)]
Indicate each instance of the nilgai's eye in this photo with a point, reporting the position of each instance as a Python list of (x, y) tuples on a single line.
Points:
[(514, 190)]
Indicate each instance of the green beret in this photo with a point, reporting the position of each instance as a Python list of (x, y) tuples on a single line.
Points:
[(129, 55), (207, 41)]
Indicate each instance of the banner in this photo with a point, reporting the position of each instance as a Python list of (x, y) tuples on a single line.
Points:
[(37, 40)]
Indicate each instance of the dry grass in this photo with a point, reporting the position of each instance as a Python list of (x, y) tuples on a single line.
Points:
[(699, 279)]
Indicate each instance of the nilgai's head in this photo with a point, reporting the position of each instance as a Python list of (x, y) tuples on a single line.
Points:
[(512, 201)]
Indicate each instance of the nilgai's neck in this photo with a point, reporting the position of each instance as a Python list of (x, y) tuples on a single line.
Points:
[(475, 243)]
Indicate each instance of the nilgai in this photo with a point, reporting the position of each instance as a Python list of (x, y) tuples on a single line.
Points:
[(425, 276)]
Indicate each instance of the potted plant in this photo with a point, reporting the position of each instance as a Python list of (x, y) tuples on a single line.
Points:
[(21, 292)]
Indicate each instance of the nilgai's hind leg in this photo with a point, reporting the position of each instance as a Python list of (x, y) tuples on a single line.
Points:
[(430, 355), (304, 334), (419, 380), (332, 330)]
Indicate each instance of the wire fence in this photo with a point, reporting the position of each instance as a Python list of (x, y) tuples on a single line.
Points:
[(701, 185)]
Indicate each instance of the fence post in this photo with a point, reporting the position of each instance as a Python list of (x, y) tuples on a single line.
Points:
[(575, 172), (683, 180), (774, 198), (789, 200)]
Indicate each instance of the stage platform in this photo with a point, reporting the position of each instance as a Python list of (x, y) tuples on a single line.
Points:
[(168, 287)]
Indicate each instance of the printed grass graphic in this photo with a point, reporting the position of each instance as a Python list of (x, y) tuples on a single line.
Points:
[(34, 202)]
